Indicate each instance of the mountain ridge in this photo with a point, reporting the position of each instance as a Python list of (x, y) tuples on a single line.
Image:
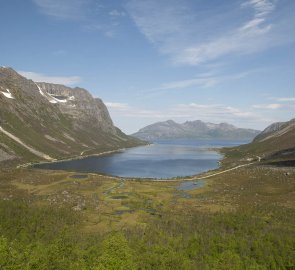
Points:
[(53, 120), (275, 142), (193, 130)]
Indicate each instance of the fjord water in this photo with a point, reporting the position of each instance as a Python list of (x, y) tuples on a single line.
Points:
[(163, 159)]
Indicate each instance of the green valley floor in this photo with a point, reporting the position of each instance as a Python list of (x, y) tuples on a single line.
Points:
[(241, 219)]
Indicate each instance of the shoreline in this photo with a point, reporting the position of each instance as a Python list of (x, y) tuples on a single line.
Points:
[(26, 165), (203, 175)]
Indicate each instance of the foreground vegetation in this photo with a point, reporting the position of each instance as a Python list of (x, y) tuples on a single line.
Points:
[(243, 219), (35, 238)]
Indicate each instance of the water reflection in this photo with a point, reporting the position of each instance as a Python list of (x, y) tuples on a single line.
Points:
[(164, 159)]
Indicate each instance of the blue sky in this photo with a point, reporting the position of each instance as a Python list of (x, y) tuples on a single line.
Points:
[(153, 60)]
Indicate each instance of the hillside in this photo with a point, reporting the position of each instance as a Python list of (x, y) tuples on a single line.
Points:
[(49, 121), (277, 141), (193, 130)]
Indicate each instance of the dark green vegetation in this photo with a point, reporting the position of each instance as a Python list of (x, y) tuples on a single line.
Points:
[(243, 219), (47, 238)]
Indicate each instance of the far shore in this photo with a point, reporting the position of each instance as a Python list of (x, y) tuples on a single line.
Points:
[(200, 176), (81, 156)]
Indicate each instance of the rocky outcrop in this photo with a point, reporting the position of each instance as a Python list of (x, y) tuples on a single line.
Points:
[(79, 104)]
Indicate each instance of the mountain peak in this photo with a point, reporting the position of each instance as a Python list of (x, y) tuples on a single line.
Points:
[(170, 122), (193, 130), (275, 130), (41, 120)]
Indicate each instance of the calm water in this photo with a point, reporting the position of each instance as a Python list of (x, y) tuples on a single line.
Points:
[(191, 185), (163, 159)]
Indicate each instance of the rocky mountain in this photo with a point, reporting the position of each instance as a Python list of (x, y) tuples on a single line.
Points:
[(277, 141), (193, 130), (275, 130), (50, 121)]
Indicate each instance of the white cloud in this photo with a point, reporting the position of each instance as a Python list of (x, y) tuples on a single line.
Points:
[(204, 80), (248, 38), (132, 118), (117, 13), (38, 77), (285, 99), (63, 9), (201, 81), (193, 111), (117, 106), (273, 106), (91, 14), (261, 7), (189, 36)]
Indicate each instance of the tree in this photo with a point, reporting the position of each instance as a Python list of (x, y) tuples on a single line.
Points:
[(117, 255)]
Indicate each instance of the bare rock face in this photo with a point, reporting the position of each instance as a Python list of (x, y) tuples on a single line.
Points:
[(52, 119), (79, 104)]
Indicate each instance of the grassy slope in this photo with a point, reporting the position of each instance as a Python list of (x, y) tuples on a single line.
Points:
[(275, 148)]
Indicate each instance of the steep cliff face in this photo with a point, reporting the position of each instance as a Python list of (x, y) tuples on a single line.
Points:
[(80, 105), (48, 121)]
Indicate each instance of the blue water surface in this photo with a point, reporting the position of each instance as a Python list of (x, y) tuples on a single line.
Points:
[(163, 159)]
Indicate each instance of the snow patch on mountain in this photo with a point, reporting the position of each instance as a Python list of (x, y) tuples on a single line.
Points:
[(51, 97), (56, 100), (7, 93), (40, 90)]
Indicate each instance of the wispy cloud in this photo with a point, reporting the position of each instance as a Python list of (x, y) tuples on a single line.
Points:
[(193, 37), (204, 80), (200, 81), (117, 106), (63, 9), (38, 77), (274, 106), (251, 36), (117, 13), (193, 111), (284, 99), (91, 14)]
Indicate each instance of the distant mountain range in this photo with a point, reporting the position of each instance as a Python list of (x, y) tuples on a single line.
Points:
[(193, 130), (48, 121)]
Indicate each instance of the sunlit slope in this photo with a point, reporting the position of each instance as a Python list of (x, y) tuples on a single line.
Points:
[(54, 120), (276, 141)]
